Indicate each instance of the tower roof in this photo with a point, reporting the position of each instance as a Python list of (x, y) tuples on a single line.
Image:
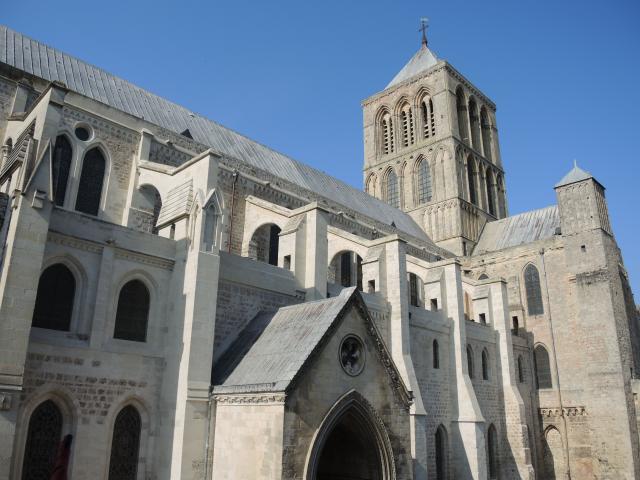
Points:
[(423, 60), (575, 175)]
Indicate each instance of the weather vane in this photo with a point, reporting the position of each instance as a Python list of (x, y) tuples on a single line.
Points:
[(424, 22)]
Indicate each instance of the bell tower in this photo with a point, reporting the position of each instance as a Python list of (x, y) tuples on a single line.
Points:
[(431, 149)]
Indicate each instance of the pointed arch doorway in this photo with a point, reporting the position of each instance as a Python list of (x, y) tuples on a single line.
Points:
[(351, 444)]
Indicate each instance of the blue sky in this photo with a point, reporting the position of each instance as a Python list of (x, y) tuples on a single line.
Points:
[(292, 74)]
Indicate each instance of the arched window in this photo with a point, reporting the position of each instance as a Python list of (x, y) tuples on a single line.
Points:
[(486, 133), (543, 367), (91, 180), (414, 293), (43, 439), (54, 299), (406, 116), (424, 182), (210, 227), (441, 453), (149, 202), (492, 451), (428, 118), (265, 243), (489, 187), (125, 445), (436, 354), (386, 137), (470, 361), (133, 312), (345, 269), (485, 365), (471, 181), (461, 108), (60, 168), (533, 290), (474, 122), (520, 370), (392, 195)]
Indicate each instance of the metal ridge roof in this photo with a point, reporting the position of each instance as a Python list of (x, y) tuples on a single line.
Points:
[(423, 60), (518, 229), (40, 60)]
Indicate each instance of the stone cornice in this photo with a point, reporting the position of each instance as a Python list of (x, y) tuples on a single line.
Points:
[(579, 411)]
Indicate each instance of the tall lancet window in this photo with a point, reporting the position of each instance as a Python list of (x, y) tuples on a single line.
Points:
[(533, 290), (424, 182), (428, 118), (61, 165), (393, 197)]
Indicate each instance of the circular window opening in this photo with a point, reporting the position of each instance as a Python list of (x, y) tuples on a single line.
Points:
[(83, 133), (352, 355)]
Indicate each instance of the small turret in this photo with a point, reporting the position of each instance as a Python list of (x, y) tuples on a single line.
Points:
[(581, 203)]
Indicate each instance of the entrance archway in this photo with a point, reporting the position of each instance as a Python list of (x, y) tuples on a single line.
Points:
[(351, 444)]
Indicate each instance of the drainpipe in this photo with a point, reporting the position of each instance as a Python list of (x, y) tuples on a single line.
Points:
[(233, 204), (555, 358)]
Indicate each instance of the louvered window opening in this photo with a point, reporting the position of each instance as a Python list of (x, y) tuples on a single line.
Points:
[(428, 119)]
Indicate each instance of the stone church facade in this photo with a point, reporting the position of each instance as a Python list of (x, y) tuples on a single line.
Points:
[(188, 303)]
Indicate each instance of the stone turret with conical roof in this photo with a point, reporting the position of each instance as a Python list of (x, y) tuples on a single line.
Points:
[(431, 149)]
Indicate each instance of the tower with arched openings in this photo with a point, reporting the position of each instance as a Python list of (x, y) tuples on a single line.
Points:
[(431, 126)]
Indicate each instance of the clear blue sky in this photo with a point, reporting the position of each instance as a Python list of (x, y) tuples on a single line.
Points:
[(291, 74)]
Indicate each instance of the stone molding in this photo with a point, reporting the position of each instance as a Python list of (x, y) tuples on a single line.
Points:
[(270, 398), (74, 242), (149, 260), (579, 411)]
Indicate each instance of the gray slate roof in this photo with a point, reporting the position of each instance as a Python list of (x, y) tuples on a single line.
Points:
[(423, 60), (575, 175), (37, 59), (271, 350), (519, 229)]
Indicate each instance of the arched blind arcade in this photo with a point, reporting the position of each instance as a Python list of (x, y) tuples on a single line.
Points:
[(473, 198), (60, 168), (543, 367), (133, 312), (533, 290), (43, 439), (424, 182), (125, 445), (54, 298), (393, 196), (91, 180)]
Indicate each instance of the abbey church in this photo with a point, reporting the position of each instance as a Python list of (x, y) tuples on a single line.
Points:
[(187, 303)]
